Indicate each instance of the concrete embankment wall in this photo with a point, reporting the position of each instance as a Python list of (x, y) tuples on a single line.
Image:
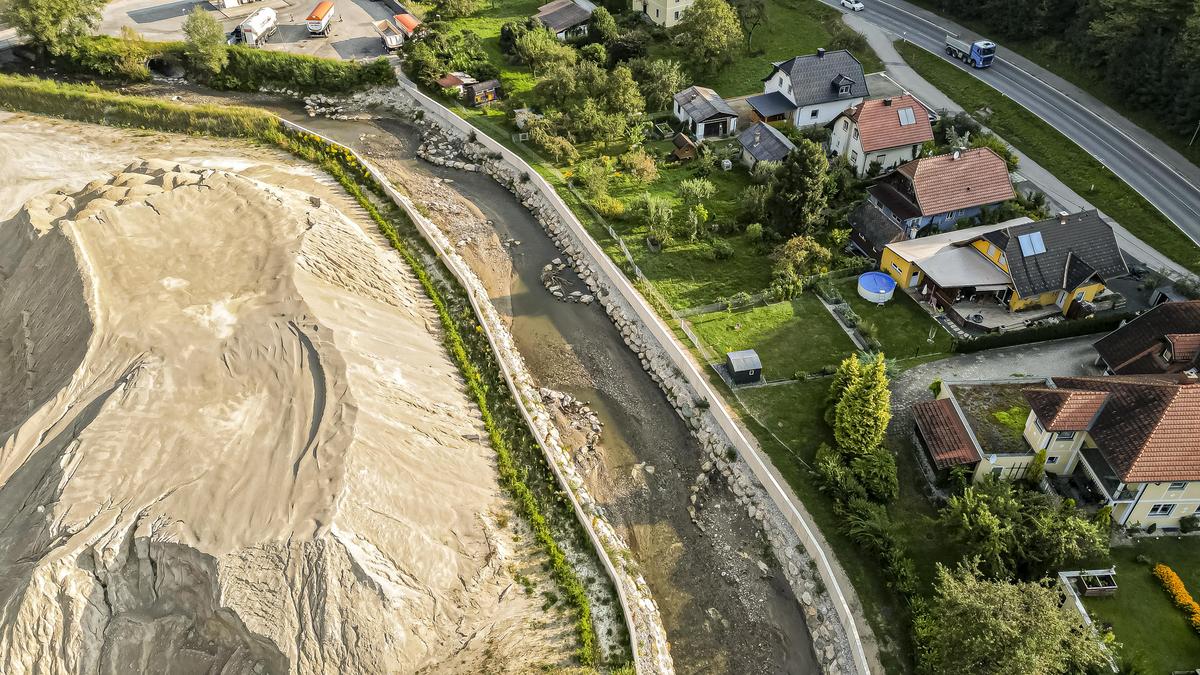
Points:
[(809, 567)]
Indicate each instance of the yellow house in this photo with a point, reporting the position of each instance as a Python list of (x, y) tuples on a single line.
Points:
[(984, 275), (1128, 442)]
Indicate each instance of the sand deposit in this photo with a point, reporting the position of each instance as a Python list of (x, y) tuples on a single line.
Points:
[(230, 440)]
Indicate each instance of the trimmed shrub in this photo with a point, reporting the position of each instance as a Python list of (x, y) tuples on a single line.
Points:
[(1179, 594), (1063, 329), (1189, 523)]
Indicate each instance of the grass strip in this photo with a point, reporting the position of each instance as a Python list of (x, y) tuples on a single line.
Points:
[(1057, 154), (463, 336)]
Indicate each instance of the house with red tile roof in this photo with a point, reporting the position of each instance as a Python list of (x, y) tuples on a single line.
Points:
[(934, 193), (1131, 442), (886, 132), (1163, 339)]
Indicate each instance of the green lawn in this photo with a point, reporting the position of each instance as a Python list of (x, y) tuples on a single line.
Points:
[(1153, 632), (904, 327), (792, 336), (486, 24), (792, 28), (1058, 155)]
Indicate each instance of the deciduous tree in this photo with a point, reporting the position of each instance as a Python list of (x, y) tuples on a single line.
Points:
[(602, 27), (204, 43), (58, 26), (659, 80), (974, 625), (709, 33)]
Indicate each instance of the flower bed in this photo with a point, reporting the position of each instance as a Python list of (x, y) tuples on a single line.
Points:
[(1179, 594)]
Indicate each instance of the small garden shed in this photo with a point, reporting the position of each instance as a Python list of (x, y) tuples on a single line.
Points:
[(744, 366)]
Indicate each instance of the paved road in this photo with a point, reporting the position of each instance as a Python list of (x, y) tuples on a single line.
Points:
[(1162, 176)]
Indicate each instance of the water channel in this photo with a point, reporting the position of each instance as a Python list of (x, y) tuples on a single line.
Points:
[(724, 601)]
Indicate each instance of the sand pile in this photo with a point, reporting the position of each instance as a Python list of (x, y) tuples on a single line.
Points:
[(231, 442)]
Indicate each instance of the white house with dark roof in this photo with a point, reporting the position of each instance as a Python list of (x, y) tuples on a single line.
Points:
[(706, 114), (763, 143), (810, 90)]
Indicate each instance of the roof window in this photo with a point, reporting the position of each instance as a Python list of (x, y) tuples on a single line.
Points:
[(1031, 244), (906, 116)]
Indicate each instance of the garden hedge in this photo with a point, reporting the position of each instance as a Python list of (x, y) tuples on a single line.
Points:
[(1063, 329)]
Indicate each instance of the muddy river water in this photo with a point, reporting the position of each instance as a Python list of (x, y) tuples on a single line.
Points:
[(724, 601)]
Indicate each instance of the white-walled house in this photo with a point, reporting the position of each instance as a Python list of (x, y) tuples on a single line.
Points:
[(706, 114), (887, 131), (810, 90)]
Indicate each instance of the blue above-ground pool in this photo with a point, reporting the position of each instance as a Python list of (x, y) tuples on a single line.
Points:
[(876, 287)]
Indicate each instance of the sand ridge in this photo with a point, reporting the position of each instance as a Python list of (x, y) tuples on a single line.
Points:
[(230, 440)]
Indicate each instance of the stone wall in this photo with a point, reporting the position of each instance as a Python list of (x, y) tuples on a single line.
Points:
[(452, 143)]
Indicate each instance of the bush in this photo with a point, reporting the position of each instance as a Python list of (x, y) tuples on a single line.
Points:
[(255, 69), (1179, 594), (1189, 523), (608, 206), (754, 231), (722, 250), (1063, 329), (640, 165)]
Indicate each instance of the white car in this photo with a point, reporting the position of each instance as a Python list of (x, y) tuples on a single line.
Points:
[(853, 5)]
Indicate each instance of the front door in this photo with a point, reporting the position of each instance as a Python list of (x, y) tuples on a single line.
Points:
[(912, 281)]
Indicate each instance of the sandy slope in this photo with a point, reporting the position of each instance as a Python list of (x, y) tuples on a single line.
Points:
[(230, 440)]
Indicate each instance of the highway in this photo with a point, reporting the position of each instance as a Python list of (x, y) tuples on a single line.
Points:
[(1146, 164)]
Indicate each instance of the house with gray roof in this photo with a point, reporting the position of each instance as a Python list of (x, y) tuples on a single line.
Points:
[(705, 114), (567, 19), (811, 90), (763, 143)]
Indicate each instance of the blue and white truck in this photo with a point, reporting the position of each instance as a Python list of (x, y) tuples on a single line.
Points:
[(978, 54)]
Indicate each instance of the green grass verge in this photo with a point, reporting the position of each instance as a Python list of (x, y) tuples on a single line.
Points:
[(521, 466), (792, 336), (1057, 154), (1153, 632)]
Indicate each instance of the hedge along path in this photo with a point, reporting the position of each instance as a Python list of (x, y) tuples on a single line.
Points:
[(90, 104)]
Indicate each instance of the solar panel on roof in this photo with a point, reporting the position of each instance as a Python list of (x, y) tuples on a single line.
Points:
[(906, 117)]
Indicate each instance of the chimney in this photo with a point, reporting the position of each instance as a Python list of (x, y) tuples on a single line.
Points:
[(887, 101), (956, 154), (757, 134), (820, 52), (1062, 217)]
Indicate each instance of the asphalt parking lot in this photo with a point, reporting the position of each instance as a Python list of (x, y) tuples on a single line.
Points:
[(353, 35)]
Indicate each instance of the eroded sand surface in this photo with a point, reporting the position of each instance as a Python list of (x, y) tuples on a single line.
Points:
[(230, 439)]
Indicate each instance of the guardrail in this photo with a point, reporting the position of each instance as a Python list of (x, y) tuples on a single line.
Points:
[(662, 334), (491, 324)]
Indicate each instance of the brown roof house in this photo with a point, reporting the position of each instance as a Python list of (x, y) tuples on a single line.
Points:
[(995, 277), (887, 132), (1129, 442), (933, 193), (1163, 339), (567, 19)]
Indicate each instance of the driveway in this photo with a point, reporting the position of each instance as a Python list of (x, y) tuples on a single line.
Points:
[(1072, 356)]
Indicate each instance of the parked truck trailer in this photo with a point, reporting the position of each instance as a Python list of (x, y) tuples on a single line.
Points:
[(978, 54), (256, 29), (320, 21)]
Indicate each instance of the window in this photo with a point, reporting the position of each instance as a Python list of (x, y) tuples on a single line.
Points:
[(843, 90), (854, 157), (998, 471), (846, 125), (898, 270), (1052, 460), (856, 134), (1064, 436), (813, 114), (1161, 510), (881, 159), (1038, 423), (656, 13), (906, 116), (1177, 485), (1031, 244), (1003, 261), (991, 251), (676, 15)]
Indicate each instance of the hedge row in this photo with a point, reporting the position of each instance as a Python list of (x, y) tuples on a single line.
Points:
[(1063, 329), (461, 334), (248, 69), (1179, 594)]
